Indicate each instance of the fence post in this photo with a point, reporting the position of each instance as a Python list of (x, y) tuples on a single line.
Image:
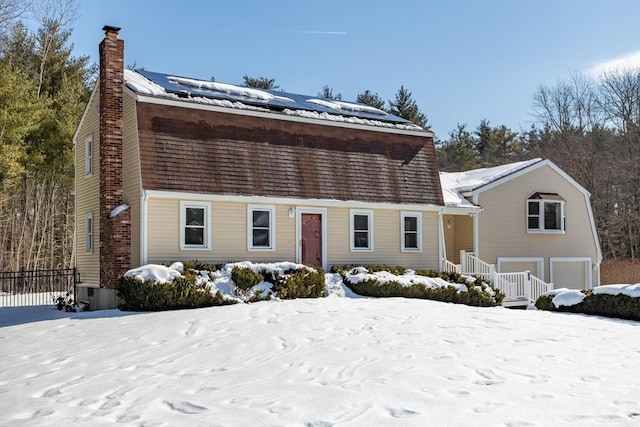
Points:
[(463, 262), (527, 284)]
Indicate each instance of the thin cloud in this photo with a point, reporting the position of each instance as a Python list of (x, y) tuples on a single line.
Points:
[(628, 61), (330, 33)]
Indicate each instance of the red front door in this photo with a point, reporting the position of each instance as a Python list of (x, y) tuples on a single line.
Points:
[(312, 239)]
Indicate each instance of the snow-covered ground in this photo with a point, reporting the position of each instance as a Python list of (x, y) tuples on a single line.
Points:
[(331, 361)]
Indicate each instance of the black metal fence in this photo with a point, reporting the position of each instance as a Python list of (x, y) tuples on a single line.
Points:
[(36, 287)]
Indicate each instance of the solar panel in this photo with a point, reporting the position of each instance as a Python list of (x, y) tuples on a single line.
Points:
[(270, 99)]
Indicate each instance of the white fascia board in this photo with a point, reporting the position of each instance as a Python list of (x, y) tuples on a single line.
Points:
[(277, 116), (94, 93), (460, 210), (526, 170), (159, 194)]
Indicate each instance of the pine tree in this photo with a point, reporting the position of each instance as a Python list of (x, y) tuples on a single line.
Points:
[(458, 152), (45, 90), (260, 82), (404, 106), (372, 99), (327, 93)]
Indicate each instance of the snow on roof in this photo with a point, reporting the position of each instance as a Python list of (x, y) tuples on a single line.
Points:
[(348, 106), (229, 89), (346, 119), (454, 184), (245, 98)]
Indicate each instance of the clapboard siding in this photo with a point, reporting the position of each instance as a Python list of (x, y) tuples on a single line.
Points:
[(87, 196)]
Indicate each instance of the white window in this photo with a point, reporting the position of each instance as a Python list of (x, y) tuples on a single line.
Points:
[(361, 230), (88, 155), (411, 231), (195, 225), (545, 213), (88, 233), (261, 228)]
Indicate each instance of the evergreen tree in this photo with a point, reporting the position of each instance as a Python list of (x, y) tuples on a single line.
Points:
[(327, 93), (404, 106), (260, 82), (43, 92), (458, 152), (372, 99)]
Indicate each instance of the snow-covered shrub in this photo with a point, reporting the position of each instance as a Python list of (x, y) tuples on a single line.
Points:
[(245, 278), (601, 304), (423, 284), (181, 292), (304, 282), (396, 269)]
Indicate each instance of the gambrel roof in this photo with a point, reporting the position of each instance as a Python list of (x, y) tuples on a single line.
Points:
[(214, 146)]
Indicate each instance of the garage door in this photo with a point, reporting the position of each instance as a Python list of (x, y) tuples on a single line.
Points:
[(518, 265), (571, 273)]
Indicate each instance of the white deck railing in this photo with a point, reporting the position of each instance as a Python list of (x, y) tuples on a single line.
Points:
[(472, 265), (450, 267), (522, 286), (519, 288)]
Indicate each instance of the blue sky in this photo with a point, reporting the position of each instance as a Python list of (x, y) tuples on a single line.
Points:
[(462, 60)]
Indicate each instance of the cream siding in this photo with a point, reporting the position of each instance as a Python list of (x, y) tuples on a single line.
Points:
[(502, 225), (229, 234), (229, 222), (458, 235), (131, 174), (87, 197), (519, 266)]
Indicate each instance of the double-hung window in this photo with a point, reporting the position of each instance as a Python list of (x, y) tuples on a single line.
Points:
[(361, 230), (195, 225), (545, 213), (261, 227), (411, 231), (88, 155), (88, 233)]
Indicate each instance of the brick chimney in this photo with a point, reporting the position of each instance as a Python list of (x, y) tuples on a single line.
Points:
[(115, 233)]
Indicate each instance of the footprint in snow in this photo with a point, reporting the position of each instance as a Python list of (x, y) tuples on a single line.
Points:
[(186, 407), (402, 413)]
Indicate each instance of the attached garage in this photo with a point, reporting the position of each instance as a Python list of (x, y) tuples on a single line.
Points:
[(572, 273)]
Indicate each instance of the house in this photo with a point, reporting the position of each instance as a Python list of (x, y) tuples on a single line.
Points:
[(171, 168), (524, 216)]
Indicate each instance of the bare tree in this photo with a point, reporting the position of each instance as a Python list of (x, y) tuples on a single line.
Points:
[(11, 11)]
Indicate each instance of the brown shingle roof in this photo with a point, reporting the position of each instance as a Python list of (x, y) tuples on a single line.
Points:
[(201, 151)]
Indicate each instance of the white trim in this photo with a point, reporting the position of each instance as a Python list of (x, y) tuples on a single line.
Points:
[(541, 217), (418, 216), (587, 268), (184, 204), (361, 212), (442, 247), (279, 116), (476, 229), (539, 260), (325, 222), (260, 200), (527, 169), (89, 232), (88, 155), (272, 227), (144, 215)]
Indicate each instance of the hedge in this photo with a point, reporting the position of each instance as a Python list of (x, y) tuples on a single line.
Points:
[(476, 295), (618, 306)]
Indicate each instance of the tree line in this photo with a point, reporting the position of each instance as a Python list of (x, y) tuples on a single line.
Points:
[(588, 127)]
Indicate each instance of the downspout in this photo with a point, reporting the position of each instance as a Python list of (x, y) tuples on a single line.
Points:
[(143, 227)]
